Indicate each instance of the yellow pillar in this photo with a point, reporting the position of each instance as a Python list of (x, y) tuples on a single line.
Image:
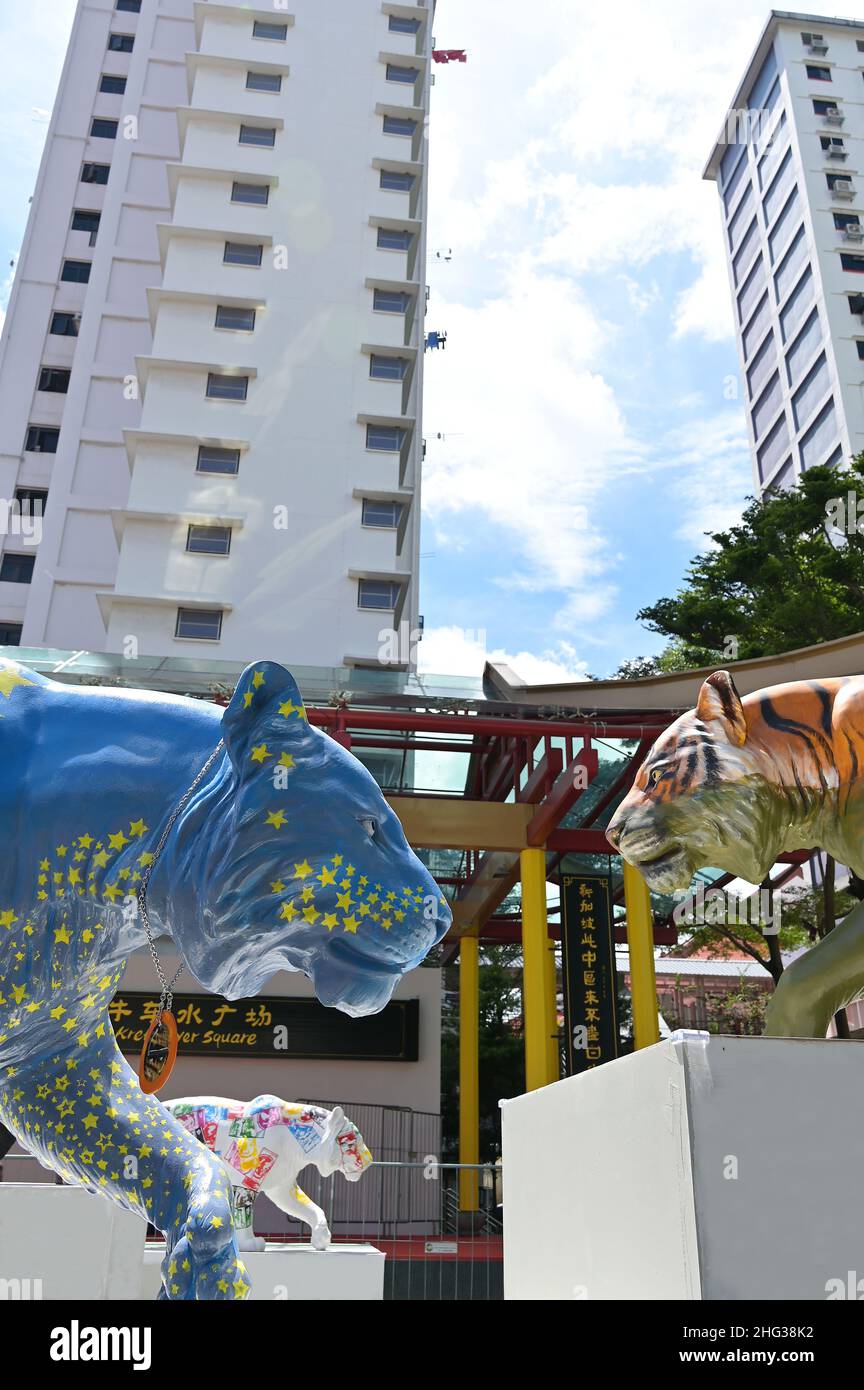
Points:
[(469, 1070), (552, 1011), (640, 942), (535, 969)]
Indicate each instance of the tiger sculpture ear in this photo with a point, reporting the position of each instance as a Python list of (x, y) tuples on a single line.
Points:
[(266, 704), (719, 702)]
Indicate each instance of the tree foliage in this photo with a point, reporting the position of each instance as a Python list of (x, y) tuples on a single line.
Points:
[(790, 574)]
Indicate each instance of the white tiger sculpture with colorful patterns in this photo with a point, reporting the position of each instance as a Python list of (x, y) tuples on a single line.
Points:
[(264, 1143)]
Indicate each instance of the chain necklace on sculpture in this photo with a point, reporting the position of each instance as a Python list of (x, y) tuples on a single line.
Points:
[(159, 1051)]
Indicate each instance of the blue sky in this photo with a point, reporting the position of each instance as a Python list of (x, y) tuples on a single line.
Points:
[(583, 397)]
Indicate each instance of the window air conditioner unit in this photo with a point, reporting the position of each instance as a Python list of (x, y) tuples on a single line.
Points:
[(834, 116), (817, 44), (843, 188), (835, 149), (853, 231)]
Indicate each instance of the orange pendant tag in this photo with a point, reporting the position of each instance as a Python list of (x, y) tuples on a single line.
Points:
[(158, 1053)]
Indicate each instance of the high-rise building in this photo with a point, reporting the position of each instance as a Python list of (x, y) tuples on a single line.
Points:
[(789, 165), (212, 365)]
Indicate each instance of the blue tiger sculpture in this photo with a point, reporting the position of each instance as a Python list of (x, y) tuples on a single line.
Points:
[(286, 856)]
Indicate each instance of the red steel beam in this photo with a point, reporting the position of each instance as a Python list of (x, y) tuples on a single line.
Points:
[(499, 727), (563, 795), (542, 780)]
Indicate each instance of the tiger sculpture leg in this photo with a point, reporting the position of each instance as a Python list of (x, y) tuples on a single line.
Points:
[(826, 978), (86, 1117), (293, 1201)]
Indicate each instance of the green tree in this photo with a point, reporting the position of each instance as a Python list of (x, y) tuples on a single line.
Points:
[(790, 574), (749, 938), (636, 668)]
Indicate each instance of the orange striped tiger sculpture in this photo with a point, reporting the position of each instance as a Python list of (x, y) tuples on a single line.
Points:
[(734, 783)]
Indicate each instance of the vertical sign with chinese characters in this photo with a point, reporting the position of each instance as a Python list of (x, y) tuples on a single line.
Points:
[(588, 962)]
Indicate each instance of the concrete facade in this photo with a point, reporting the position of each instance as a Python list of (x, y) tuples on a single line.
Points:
[(789, 166), (200, 291)]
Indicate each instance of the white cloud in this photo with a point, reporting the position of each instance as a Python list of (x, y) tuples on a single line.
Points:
[(715, 476), (705, 308), (461, 652), (597, 149), (530, 428)]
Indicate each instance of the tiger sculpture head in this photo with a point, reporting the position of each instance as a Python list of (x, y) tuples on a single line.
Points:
[(733, 783)]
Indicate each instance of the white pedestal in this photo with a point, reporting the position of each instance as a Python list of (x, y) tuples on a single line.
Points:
[(63, 1243), (296, 1273), (728, 1168)]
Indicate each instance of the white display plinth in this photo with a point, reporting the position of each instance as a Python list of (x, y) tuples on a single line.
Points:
[(294, 1273), (721, 1168), (64, 1243)]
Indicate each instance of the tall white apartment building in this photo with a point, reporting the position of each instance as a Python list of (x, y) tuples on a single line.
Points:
[(211, 370), (789, 165)]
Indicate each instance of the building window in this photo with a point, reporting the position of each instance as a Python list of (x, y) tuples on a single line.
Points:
[(242, 253), (377, 593), (229, 316), (386, 438), (17, 569), (65, 325), (390, 301), (397, 180), (76, 272), (85, 221), (395, 239), (400, 25), (111, 82), (383, 515), (103, 130), (856, 303), (212, 460), (855, 263), (842, 220), (258, 135), (42, 439), (817, 73), (10, 634), (264, 81), (32, 500), (227, 388), (827, 108), (256, 193), (55, 379), (133, 6), (121, 43), (95, 173), (388, 368), (839, 182), (209, 540), (859, 343), (833, 144), (397, 73), (814, 41), (201, 624), (261, 29), (399, 125)]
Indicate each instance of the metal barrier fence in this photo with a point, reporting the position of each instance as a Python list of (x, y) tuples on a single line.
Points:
[(411, 1211), (406, 1204)]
